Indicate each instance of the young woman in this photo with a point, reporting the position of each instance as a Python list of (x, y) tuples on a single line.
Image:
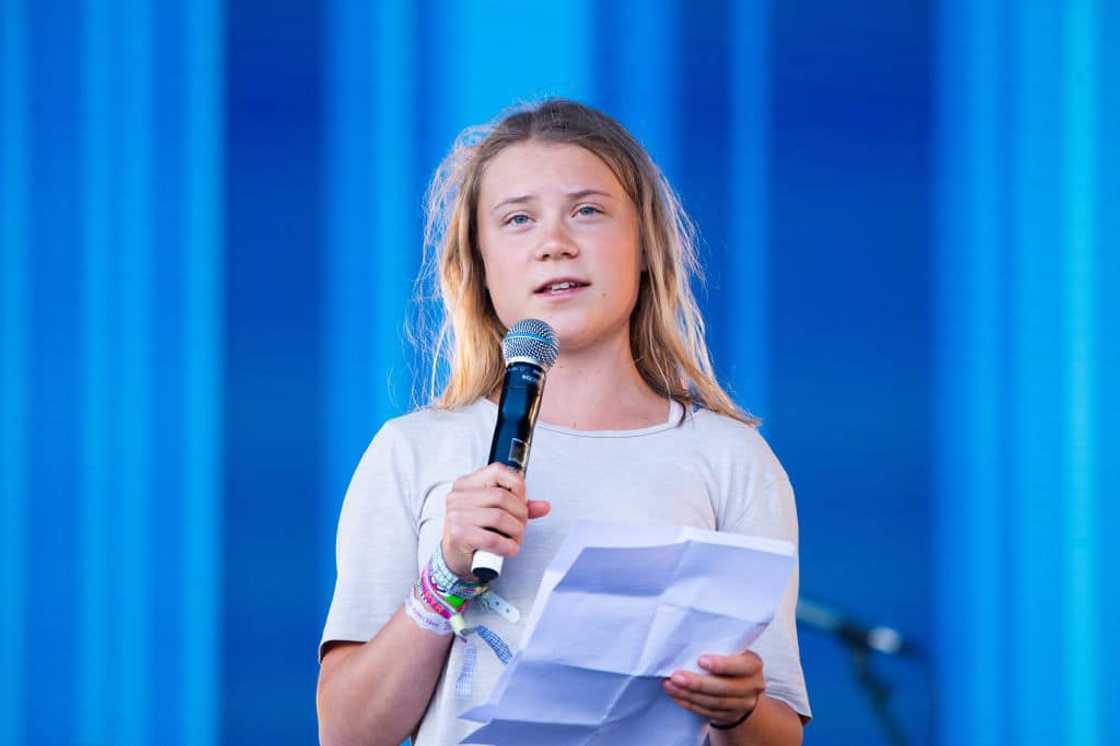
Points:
[(554, 213)]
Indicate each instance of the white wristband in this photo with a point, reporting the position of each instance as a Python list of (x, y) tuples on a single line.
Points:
[(424, 617)]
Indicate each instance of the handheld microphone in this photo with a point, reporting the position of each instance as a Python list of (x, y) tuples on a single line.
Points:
[(881, 639), (530, 348)]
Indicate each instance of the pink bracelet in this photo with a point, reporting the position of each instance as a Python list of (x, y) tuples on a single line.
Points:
[(431, 597)]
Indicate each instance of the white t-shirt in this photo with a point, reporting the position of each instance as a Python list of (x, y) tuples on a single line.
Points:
[(710, 472)]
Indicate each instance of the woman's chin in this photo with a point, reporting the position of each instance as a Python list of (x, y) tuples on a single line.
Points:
[(576, 329), (575, 339)]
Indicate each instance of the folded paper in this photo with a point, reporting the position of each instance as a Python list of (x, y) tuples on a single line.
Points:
[(620, 608)]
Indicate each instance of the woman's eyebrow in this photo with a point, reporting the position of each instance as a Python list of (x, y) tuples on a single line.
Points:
[(570, 195), (587, 193), (513, 201)]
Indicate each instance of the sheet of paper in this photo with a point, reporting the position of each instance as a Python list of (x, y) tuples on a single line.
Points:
[(619, 608)]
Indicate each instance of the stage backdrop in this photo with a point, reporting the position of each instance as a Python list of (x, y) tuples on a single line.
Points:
[(210, 216)]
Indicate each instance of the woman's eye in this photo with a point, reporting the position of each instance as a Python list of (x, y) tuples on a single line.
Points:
[(587, 210), (517, 219)]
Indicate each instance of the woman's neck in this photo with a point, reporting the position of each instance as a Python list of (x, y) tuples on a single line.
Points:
[(600, 389)]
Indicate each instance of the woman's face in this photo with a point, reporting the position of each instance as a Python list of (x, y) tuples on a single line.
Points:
[(559, 241)]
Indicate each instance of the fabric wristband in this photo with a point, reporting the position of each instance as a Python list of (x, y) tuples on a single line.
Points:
[(437, 602), (424, 617), (447, 582)]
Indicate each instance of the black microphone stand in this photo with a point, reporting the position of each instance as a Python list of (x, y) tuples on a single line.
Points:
[(877, 690), (861, 642)]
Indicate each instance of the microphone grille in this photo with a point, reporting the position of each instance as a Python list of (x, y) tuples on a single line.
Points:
[(532, 339)]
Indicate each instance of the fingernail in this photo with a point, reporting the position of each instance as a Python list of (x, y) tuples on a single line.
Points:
[(680, 679), (705, 661)]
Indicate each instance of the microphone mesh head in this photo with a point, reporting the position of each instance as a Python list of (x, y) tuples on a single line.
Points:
[(532, 339)]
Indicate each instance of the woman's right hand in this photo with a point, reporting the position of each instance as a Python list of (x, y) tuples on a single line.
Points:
[(487, 509)]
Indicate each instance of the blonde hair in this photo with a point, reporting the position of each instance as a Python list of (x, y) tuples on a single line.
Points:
[(666, 328)]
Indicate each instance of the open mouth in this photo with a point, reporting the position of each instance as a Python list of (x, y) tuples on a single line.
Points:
[(557, 287)]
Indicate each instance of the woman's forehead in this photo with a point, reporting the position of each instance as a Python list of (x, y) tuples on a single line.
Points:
[(542, 170)]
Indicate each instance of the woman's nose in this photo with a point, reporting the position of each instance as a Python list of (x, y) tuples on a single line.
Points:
[(556, 242)]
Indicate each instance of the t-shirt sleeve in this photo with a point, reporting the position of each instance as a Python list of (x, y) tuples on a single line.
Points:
[(376, 546), (770, 512)]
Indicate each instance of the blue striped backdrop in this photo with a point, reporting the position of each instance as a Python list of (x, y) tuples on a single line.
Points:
[(112, 366), (210, 218), (1028, 369)]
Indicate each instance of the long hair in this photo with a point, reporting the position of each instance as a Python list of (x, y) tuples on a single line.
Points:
[(666, 328)]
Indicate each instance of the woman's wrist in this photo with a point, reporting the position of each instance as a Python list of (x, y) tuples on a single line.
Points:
[(447, 581), (736, 724)]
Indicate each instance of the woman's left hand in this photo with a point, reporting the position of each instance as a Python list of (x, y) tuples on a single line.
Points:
[(728, 691)]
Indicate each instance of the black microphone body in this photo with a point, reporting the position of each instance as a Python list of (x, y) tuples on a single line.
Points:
[(513, 437), (529, 348), (517, 415)]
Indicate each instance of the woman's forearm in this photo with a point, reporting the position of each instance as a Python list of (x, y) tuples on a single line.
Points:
[(773, 723), (376, 692)]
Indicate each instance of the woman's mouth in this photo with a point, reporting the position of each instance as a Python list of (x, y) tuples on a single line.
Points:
[(561, 287)]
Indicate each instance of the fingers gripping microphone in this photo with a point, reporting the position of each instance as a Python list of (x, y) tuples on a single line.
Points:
[(529, 348)]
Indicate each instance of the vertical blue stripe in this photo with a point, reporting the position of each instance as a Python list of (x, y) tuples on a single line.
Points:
[(13, 364), (1039, 422), (396, 201), (1105, 291), (641, 89), (96, 675), (969, 484), (351, 253), (487, 50), (134, 213), (704, 146), (274, 327), (747, 348), (52, 578), (165, 663), (204, 362), (1082, 696), (956, 652), (433, 125), (1059, 142), (434, 128), (983, 375)]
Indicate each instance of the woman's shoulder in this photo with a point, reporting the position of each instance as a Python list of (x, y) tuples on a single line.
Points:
[(428, 421), (733, 439), (711, 425), (428, 438)]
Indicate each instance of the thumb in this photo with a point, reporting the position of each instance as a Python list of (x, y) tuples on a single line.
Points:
[(539, 508)]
